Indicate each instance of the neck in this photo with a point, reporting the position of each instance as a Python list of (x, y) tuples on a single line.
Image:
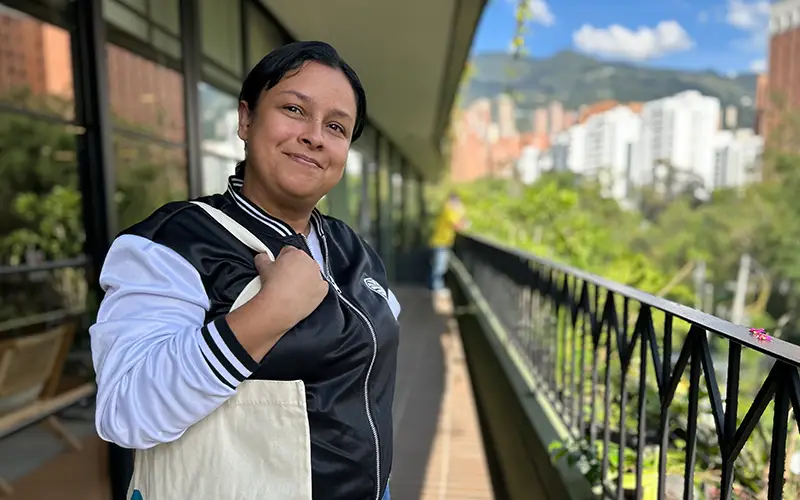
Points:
[(297, 218)]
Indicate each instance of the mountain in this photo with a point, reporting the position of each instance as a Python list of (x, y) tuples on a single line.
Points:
[(576, 79)]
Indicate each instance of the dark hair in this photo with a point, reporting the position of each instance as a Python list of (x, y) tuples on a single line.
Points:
[(274, 66)]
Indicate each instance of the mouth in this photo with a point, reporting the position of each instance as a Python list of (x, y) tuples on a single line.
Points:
[(304, 160)]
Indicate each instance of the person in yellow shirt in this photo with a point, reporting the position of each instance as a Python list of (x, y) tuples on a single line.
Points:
[(451, 219)]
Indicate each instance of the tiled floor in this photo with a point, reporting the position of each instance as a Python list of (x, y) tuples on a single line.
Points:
[(438, 449)]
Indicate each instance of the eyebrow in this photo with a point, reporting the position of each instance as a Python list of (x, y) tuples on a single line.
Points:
[(307, 99)]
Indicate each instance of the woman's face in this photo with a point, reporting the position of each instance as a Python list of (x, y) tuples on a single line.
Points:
[(299, 134)]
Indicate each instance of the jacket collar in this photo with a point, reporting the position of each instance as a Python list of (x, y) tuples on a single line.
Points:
[(278, 226)]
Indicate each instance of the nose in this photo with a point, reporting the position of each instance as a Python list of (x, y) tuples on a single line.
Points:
[(312, 136)]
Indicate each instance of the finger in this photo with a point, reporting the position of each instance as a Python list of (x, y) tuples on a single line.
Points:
[(287, 249), (263, 262)]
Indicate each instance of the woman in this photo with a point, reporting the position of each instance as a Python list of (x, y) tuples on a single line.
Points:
[(285, 395)]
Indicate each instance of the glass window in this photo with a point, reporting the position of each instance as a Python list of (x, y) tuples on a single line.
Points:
[(221, 146), (156, 22), (42, 276), (396, 199), (356, 179), (145, 96), (412, 208), (262, 35), (149, 174), (147, 106), (368, 144), (221, 33), (384, 199)]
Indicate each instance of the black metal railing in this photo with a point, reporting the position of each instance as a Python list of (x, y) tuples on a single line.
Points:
[(41, 294), (611, 359)]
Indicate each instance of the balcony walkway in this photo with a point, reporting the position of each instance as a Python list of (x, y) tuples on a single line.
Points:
[(438, 449)]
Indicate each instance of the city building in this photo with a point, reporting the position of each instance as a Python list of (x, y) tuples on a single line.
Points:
[(506, 115), (556, 110), (737, 156), (608, 152), (540, 121), (783, 75), (568, 150), (762, 100), (731, 117), (677, 134)]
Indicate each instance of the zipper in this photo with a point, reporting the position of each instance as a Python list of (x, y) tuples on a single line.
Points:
[(329, 278)]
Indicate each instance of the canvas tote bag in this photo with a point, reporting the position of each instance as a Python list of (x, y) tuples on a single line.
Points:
[(256, 446)]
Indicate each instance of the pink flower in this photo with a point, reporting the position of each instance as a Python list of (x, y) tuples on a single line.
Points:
[(760, 334)]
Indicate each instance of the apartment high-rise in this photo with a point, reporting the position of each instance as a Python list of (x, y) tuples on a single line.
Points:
[(469, 158), (762, 97), (540, 121), (736, 158), (556, 117), (506, 115), (678, 132), (784, 64), (610, 140)]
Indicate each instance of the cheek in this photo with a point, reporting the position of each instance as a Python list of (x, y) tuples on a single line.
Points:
[(275, 131), (338, 156)]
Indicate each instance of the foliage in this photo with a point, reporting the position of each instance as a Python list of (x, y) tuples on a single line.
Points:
[(41, 202), (565, 218)]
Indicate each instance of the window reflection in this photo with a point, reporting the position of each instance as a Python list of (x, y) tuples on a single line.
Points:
[(40, 202), (145, 96), (222, 148), (35, 65), (149, 133), (149, 174)]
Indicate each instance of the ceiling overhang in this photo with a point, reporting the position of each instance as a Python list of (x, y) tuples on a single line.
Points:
[(408, 54)]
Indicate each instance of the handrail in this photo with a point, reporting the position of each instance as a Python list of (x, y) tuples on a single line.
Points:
[(777, 348), (45, 266), (569, 326)]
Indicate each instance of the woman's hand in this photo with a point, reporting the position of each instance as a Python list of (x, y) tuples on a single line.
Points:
[(291, 288)]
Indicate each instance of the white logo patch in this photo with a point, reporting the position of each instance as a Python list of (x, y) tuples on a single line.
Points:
[(375, 287)]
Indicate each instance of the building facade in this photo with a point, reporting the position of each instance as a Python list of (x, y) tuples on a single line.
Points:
[(784, 67), (677, 133), (737, 157), (112, 108)]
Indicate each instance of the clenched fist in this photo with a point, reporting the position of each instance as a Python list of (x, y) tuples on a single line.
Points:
[(291, 288), (292, 284)]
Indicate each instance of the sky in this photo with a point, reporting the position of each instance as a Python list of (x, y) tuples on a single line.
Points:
[(729, 36)]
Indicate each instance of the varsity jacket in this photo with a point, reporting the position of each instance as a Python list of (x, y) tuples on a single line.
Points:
[(166, 359)]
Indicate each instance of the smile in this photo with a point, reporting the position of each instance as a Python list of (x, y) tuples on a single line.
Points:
[(304, 160)]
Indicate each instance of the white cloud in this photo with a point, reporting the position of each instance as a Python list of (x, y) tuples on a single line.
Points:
[(758, 66), (752, 17), (748, 15), (645, 43), (540, 12)]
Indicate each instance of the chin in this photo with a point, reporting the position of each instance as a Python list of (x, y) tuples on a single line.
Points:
[(300, 188)]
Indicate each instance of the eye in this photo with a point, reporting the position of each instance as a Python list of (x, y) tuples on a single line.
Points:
[(337, 127), (291, 108)]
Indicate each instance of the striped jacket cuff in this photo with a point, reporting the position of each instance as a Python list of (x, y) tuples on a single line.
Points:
[(226, 357)]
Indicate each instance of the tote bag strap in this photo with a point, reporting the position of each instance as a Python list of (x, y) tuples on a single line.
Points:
[(237, 230), (248, 239)]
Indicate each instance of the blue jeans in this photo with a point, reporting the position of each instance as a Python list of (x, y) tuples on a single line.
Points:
[(386, 495), (439, 259)]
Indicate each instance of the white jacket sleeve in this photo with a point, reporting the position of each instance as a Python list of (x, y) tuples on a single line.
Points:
[(159, 368)]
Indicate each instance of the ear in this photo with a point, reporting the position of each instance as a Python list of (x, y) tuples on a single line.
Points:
[(244, 120)]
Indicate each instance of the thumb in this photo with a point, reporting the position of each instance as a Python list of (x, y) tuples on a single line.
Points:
[(263, 264)]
